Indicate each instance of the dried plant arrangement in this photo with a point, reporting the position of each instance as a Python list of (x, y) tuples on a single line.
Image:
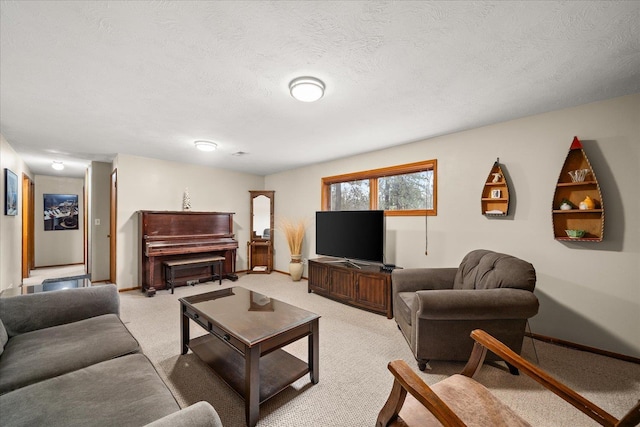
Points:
[(294, 233)]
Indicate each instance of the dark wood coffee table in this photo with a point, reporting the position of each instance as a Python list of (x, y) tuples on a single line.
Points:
[(247, 331)]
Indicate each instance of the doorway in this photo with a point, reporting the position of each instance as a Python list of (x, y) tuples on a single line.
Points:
[(28, 242), (113, 204)]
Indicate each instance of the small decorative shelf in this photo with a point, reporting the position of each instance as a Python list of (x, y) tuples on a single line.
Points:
[(495, 193), (589, 220)]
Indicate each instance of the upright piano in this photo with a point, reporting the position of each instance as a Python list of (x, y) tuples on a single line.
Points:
[(171, 235)]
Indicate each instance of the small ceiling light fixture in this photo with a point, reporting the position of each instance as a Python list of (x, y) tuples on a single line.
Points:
[(57, 165), (306, 89), (206, 145)]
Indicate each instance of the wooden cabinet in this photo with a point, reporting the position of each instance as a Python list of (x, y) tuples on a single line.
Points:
[(374, 291), (366, 287), (318, 277), (572, 192), (495, 193), (342, 284), (259, 256)]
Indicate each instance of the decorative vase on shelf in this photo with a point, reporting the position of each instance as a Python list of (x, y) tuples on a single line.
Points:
[(186, 200), (296, 267), (566, 205), (587, 204)]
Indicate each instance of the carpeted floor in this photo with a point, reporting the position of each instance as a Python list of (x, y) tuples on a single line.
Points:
[(355, 347)]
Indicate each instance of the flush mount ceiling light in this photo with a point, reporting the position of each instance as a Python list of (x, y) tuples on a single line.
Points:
[(57, 165), (306, 89), (206, 145)]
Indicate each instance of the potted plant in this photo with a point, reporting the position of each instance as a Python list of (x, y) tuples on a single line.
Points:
[(294, 234)]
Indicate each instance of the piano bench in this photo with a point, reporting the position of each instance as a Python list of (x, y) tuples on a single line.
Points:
[(170, 267)]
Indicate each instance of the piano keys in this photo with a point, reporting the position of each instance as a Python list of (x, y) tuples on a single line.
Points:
[(171, 235)]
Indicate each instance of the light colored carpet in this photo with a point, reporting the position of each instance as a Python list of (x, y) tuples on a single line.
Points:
[(355, 347)]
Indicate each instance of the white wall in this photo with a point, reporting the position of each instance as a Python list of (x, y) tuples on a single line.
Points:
[(11, 226), (589, 292), (58, 247), (149, 184)]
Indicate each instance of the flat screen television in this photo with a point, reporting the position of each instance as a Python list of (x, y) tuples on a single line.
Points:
[(352, 235)]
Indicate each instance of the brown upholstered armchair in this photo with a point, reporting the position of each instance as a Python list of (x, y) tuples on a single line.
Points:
[(437, 308)]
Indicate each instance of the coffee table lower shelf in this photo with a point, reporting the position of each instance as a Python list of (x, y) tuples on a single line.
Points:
[(278, 369)]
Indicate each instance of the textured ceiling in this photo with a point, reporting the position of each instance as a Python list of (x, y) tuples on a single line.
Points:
[(85, 80)]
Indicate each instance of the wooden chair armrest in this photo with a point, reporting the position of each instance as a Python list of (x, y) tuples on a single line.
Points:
[(505, 353), (406, 380), (476, 359)]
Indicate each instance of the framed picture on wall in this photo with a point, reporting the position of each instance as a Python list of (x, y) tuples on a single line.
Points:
[(60, 212), (10, 193)]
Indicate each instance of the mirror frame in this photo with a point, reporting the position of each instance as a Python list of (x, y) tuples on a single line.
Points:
[(254, 194), (256, 242)]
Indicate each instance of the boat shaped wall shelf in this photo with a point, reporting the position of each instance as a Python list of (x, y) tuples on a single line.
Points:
[(495, 193), (578, 211)]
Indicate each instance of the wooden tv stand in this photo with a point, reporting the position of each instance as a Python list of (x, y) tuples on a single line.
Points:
[(366, 287)]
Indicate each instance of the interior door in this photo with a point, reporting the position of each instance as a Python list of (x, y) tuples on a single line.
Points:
[(113, 204), (28, 252), (85, 229)]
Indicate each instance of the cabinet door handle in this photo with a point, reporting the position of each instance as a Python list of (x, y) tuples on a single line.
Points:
[(226, 337)]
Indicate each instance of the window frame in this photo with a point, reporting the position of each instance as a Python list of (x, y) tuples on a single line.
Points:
[(373, 175)]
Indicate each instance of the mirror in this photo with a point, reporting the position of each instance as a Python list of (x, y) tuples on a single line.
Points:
[(260, 245), (259, 302)]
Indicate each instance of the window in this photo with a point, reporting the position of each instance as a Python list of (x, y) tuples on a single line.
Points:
[(350, 195), (398, 190)]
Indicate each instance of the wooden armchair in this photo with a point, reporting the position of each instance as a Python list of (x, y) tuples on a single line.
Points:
[(461, 401)]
